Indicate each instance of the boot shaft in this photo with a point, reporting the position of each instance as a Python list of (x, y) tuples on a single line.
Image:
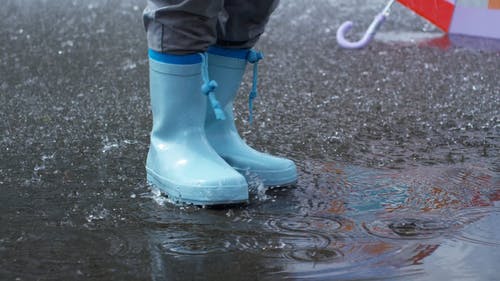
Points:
[(176, 102), (228, 69)]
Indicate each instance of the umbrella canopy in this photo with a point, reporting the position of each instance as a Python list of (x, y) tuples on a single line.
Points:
[(467, 17)]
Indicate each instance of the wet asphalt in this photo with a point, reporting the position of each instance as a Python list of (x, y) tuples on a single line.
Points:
[(75, 122)]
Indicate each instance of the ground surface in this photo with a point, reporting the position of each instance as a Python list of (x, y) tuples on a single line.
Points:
[(410, 123)]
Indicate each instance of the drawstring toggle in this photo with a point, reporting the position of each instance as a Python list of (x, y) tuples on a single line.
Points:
[(253, 57), (209, 87)]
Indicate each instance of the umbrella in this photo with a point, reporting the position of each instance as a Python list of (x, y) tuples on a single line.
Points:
[(466, 17)]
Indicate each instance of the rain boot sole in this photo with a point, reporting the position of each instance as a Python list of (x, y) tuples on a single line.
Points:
[(277, 178), (183, 194)]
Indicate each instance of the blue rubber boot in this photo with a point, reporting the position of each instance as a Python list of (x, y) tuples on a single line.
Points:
[(227, 67), (181, 162)]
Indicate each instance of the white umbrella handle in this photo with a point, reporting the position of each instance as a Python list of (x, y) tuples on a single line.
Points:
[(369, 34)]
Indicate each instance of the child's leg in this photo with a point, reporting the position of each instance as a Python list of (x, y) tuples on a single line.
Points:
[(181, 26), (180, 160), (243, 21), (237, 32)]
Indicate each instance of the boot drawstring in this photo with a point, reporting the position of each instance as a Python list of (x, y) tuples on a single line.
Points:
[(208, 89), (253, 57)]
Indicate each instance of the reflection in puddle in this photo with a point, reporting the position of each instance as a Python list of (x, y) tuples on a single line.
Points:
[(480, 226), (315, 255), (407, 228), (389, 223), (439, 40)]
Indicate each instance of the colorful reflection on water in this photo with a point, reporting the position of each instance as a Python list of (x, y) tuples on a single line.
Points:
[(349, 223)]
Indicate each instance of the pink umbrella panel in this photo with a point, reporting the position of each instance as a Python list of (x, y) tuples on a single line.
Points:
[(467, 17)]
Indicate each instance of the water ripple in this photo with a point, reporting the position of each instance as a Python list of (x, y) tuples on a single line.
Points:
[(304, 224), (480, 226), (408, 228), (197, 245), (296, 238), (315, 255)]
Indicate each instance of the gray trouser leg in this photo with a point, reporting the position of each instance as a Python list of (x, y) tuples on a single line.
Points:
[(181, 26), (190, 26), (243, 21)]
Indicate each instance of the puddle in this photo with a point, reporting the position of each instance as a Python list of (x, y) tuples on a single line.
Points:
[(397, 148), (308, 237)]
